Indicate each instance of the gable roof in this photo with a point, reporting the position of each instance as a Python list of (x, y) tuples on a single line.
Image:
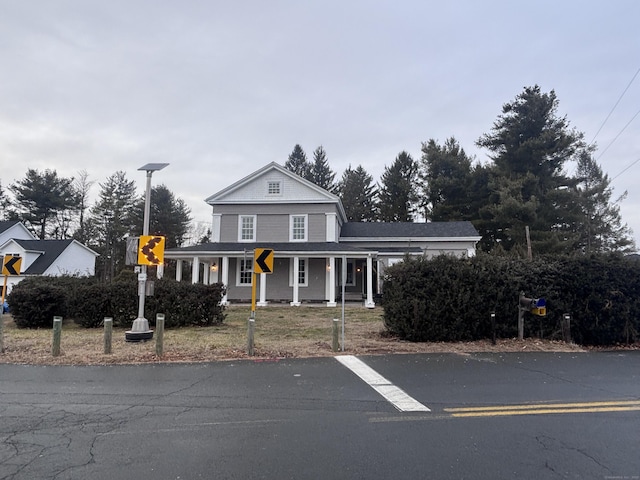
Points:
[(320, 195), (15, 225), (7, 224), (392, 230), (49, 251)]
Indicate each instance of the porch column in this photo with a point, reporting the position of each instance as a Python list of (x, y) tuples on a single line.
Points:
[(296, 273), (178, 270), (205, 273), (369, 303), (215, 267), (331, 280), (225, 279), (195, 271), (263, 291)]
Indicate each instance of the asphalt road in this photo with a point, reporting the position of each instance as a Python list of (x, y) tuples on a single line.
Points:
[(479, 416)]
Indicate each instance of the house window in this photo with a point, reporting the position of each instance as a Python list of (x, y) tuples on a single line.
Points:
[(298, 228), (273, 188), (247, 228), (244, 272), (303, 264)]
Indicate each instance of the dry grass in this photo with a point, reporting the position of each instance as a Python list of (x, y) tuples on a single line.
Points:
[(280, 332)]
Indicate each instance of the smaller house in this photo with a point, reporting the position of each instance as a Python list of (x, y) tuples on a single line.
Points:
[(44, 257)]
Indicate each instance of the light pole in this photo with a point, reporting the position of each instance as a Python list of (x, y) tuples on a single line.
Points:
[(140, 330)]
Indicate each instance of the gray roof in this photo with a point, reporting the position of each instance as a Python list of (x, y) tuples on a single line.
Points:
[(278, 247), (7, 224), (52, 249), (408, 230)]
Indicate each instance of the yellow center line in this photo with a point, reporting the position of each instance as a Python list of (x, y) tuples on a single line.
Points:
[(544, 409)]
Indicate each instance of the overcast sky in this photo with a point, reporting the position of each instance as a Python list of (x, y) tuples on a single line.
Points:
[(220, 89)]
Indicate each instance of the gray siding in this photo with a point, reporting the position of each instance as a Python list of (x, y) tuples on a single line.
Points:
[(278, 288), (273, 221)]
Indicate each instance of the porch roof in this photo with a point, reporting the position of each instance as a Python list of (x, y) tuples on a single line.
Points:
[(282, 249)]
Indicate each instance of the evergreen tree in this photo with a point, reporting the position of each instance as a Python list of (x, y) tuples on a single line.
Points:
[(111, 221), (321, 174), (5, 205), (397, 195), (358, 195), (44, 201), (168, 216), (446, 182), (600, 226), (529, 147), (298, 164)]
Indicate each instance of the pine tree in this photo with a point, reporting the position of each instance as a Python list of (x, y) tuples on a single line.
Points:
[(600, 226), (397, 195), (111, 221), (321, 174), (358, 195), (42, 199), (168, 216), (446, 182), (298, 164), (529, 147)]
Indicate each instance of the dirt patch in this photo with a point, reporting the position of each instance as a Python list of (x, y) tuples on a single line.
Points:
[(281, 332)]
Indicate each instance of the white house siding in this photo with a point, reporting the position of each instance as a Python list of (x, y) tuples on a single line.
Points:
[(75, 260)]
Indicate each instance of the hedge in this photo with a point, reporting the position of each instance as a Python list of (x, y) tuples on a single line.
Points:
[(451, 299), (35, 300)]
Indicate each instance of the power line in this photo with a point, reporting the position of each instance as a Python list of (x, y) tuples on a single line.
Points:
[(614, 107), (619, 133), (626, 168)]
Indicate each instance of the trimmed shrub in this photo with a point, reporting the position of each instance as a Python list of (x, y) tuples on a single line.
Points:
[(451, 299), (35, 301)]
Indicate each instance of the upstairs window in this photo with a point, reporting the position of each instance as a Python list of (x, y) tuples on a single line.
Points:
[(273, 188), (247, 228), (298, 228)]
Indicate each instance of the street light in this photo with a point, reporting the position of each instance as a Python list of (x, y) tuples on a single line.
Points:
[(140, 330)]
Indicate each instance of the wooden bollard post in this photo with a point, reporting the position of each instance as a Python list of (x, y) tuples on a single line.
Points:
[(250, 334), (57, 334), (159, 334), (108, 334), (335, 344)]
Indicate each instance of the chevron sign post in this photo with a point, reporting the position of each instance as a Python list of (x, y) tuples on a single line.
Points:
[(263, 260), (262, 263)]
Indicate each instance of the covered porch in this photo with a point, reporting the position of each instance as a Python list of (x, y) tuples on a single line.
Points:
[(302, 273)]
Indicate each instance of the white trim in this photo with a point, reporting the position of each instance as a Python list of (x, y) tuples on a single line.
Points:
[(305, 262), (239, 261), (306, 227), (254, 219)]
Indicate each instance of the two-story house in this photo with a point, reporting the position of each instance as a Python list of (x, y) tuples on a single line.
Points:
[(314, 245)]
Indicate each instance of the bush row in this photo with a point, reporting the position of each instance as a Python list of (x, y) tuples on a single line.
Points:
[(35, 300), (451, 299)]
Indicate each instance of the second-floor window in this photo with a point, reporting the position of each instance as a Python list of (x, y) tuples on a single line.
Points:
[(247, 228), (298, 228)]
